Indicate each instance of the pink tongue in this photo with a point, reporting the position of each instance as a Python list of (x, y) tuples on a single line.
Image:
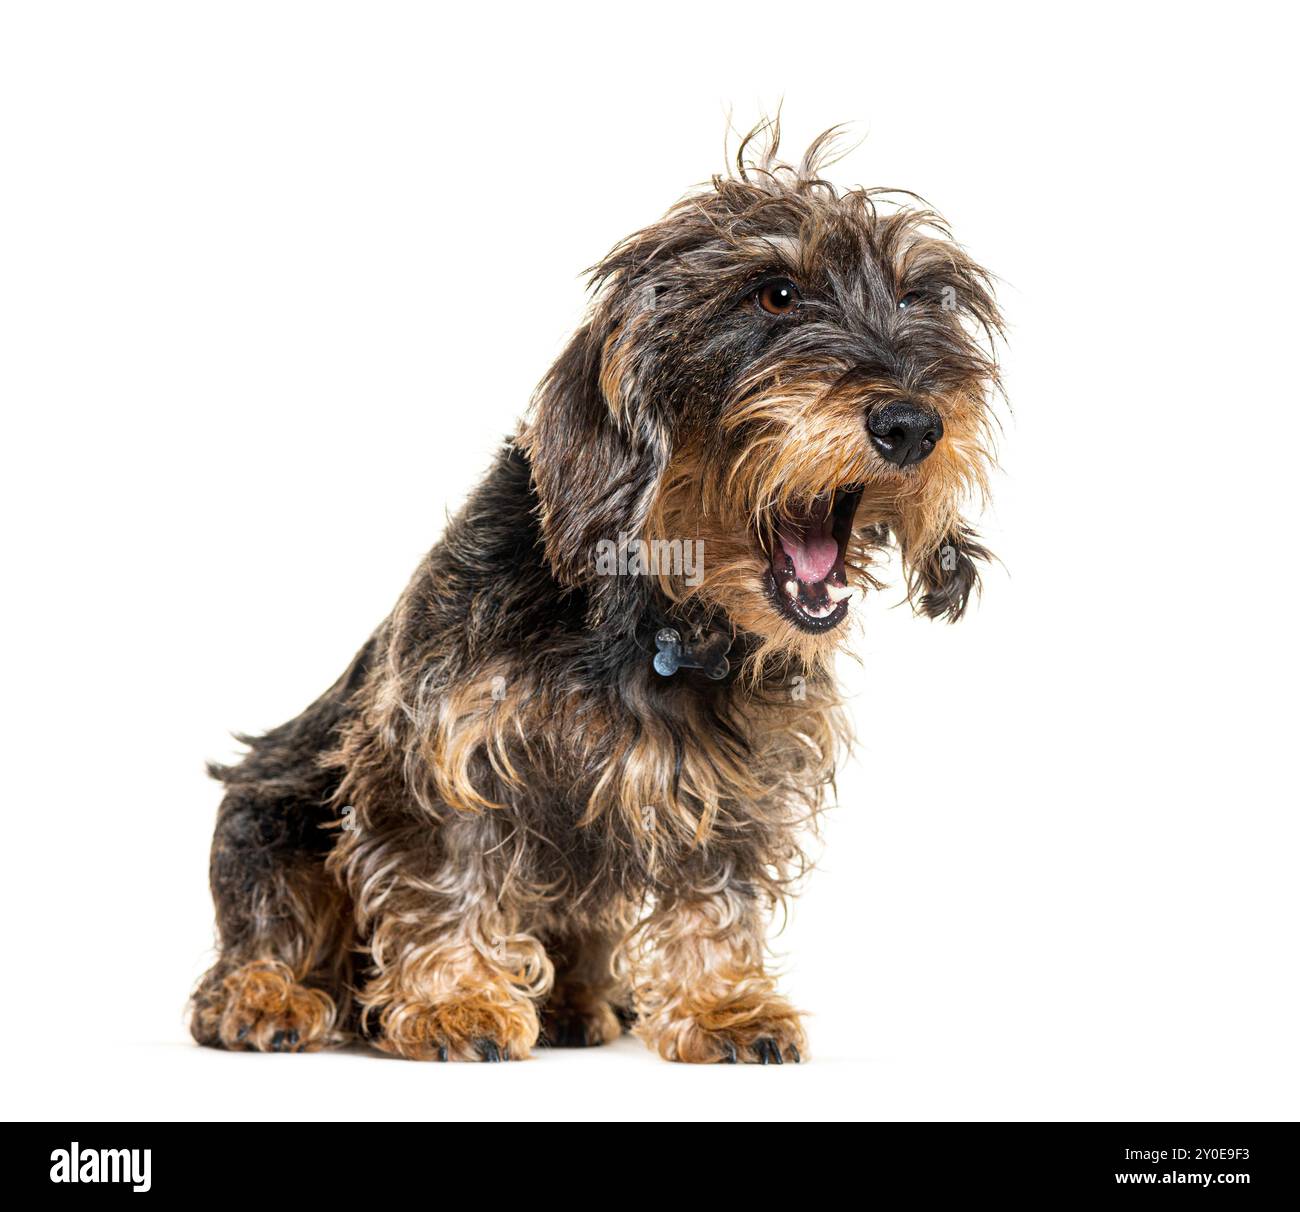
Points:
[(812, 551)]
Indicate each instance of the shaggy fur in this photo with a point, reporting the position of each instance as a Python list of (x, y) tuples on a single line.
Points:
[(501, 827)]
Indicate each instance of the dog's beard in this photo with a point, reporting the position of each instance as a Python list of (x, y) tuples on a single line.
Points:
[(792, 515), (784, 576)]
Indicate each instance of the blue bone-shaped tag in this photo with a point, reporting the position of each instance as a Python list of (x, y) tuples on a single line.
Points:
[(672, 656)]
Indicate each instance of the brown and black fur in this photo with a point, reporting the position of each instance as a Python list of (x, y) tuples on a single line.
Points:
[(501, 827)]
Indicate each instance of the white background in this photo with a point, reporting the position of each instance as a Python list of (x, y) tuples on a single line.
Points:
[(274, 281)]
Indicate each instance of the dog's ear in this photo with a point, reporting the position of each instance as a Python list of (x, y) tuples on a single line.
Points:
[(941, 582), (597, 442)]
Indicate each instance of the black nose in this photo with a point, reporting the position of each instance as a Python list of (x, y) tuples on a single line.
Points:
[(904, 433)]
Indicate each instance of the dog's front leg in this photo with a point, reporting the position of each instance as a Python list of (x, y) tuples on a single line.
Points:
[(455, 975), (459, 986), (702, 992)]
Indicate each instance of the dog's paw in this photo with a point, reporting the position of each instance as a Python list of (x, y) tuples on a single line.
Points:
[(260, 1007), (728, 1048), (467, 1029), (729, 1032)]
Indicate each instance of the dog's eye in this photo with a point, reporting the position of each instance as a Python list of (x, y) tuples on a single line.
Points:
[(779, 297), (909, 300)]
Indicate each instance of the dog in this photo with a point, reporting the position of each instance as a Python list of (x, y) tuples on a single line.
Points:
[(560, 790)]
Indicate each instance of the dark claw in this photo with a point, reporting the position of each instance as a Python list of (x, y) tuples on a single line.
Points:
[(442, 1052), (794, 1055), (768, 1052), (242, 1033), (730, 1058), (489, 1051), (284, 1041)]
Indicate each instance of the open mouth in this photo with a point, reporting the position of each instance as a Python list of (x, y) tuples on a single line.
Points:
[(806, 546)]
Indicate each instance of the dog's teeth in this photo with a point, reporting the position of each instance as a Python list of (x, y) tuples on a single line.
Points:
[(792, 588), (839, 593)]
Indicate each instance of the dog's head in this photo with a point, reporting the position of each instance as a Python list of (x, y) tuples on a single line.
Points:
[(787, 376)]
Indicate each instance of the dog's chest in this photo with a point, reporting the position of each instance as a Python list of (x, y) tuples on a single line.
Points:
[(700, 779)]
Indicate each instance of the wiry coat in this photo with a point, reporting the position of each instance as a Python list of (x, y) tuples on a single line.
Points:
[(501, 821)]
